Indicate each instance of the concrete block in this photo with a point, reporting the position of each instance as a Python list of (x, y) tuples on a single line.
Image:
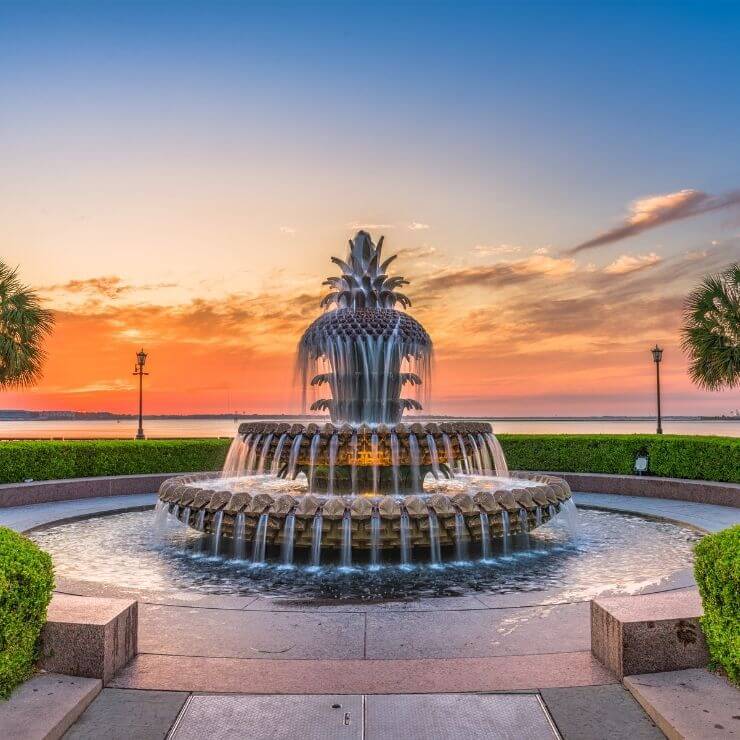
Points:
[(689, 704), (649, 633), (44, 707), (87, 636)]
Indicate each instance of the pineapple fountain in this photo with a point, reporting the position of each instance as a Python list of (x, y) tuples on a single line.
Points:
[(365, 482)]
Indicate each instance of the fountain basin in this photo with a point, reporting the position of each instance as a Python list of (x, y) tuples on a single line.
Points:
[(471, 507)]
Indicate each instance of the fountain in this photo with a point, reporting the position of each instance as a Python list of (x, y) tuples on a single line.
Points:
[(365, 480)]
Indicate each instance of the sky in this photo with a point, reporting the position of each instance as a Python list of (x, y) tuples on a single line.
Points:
[(554, 176)]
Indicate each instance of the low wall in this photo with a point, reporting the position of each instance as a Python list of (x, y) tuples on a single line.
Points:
[(678, 489), (701, 492), (41, 492)]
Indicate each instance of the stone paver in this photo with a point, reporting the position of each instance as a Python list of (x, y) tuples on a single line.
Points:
[(249, 634), (710, 517), (45, 706), (457, 634), (126, 714), (271, 718), (589, 712), (450, 716), (230, 675), (23, 518), (689, 704)]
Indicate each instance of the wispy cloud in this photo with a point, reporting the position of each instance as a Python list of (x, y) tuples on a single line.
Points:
[(416, 226), (356, 225), (656, 210), (632, 262), (107, 286), (489, 250), (289, 230)]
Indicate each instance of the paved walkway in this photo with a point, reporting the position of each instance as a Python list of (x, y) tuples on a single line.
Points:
[(574, 714), (429, 665)]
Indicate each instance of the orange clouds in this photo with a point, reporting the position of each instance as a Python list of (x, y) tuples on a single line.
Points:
[(540, 334)]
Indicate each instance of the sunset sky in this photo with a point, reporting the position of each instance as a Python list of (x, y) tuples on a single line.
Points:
[(554, 176)]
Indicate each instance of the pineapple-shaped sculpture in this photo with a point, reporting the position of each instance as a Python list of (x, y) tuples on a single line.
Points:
[(363, 343)]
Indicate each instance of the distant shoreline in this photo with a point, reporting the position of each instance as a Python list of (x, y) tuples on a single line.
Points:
[(31, 416)]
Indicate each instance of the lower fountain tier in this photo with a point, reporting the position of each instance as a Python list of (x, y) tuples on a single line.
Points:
[(364, 459), (513, 510)]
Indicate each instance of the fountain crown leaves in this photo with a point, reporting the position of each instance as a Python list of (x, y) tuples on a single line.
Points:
[(364, 282)]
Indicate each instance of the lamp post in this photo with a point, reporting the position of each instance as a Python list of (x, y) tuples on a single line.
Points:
[(657, 357), (139, 370)]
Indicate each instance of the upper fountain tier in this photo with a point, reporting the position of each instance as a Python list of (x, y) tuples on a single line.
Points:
[(365, 350)]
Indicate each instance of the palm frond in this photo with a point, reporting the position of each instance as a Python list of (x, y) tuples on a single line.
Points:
[(710, 335), (24, 325)]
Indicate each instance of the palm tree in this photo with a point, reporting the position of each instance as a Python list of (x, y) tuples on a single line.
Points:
[(24, 324), (711, 330)]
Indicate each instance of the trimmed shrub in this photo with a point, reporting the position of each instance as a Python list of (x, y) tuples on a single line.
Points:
[(26, 583), (703, 458), (670, 456), (717, 571), (52, 459)]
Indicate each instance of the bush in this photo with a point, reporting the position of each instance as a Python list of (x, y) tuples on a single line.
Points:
[(26, 583), (52, 459), (717, 571), (704, 458), (670, 456)]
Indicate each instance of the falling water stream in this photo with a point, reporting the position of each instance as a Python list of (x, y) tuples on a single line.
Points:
[(286, 549), (316, 532), (405, 538), (485, 530), (260, 540), (346, 555)]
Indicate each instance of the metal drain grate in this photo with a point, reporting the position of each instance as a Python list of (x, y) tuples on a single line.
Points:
[(464, 716), (219, 717)]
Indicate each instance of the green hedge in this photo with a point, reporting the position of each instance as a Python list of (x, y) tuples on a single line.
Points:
[(49, 460), (671, 456), (717, 570), (705, 458), (26, 583)]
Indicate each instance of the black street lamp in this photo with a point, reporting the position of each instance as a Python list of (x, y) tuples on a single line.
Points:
[(657, 357), (139, 370)]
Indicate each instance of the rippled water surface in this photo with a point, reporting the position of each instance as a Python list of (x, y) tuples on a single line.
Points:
[(610, 551)]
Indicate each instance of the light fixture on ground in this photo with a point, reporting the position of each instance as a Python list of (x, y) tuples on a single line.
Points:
[(657, 357), (139, 370)]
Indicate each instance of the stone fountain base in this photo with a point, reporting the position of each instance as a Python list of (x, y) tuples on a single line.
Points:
[(481, 510)]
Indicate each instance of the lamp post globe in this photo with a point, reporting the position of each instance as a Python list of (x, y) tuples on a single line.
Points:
[(139, 370), (657, 357)]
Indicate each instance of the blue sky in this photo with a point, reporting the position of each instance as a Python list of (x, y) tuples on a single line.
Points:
[(145, 136)]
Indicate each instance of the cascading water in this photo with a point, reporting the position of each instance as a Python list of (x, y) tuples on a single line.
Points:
[(346, 554), (218, 519), (333, 449), (506, 530), (415, 461), (405, 538), (263, 455), (464, 453), (200, 525), (485, 536), (524, 527), (240, 544), (293, 460), (252, 459), (375, 461), (478, 463), (486, 462), (434, 543), (316, 532), (462, 538), (275, 467), (286, 549), (375, 538), (315, 442), (433, 456), (499, 459), (260, 540), (448, 450), (231, 466), (395, 457)]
